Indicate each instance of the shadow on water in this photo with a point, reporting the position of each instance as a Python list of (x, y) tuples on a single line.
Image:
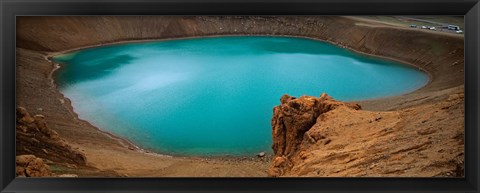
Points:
[(94, 70)]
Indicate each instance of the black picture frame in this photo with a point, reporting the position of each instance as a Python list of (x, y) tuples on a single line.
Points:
[(9, 9)]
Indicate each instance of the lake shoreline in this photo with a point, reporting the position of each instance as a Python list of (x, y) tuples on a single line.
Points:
[(95, 156), (131, 145)]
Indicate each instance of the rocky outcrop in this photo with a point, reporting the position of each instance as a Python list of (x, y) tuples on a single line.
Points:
[(292, 119), (31, 166), (323, 137), (36, 138)]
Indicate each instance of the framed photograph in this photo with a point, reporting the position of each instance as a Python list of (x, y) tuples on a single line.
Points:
[(239, 96)]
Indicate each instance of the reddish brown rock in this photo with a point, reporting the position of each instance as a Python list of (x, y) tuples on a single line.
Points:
[(31, 166), (278, 166), (321, 137), (42, 126), (23, 116), (293, 118), (36, 138)]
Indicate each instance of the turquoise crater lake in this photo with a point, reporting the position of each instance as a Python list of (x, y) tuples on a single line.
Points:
[(214, 96)]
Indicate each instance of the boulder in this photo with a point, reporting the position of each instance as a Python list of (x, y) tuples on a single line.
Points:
[(23, 116), (261, 154), (31, 166), (41, 124)]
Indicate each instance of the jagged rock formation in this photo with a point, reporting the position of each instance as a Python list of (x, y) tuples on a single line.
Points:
[(292, 119), (35, 137), (31, 166), (324, 137)]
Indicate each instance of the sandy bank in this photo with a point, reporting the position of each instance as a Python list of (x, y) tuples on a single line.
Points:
[(39, 37)]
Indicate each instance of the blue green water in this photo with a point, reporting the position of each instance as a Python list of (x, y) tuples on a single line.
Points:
[(214, 96)]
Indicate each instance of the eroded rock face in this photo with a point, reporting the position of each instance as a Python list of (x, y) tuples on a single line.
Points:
[(291, 120), (36, 138), (31, 166), (42, 126), (321, 137)]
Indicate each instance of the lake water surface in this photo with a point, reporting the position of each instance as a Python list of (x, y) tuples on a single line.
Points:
[(214, 96)]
